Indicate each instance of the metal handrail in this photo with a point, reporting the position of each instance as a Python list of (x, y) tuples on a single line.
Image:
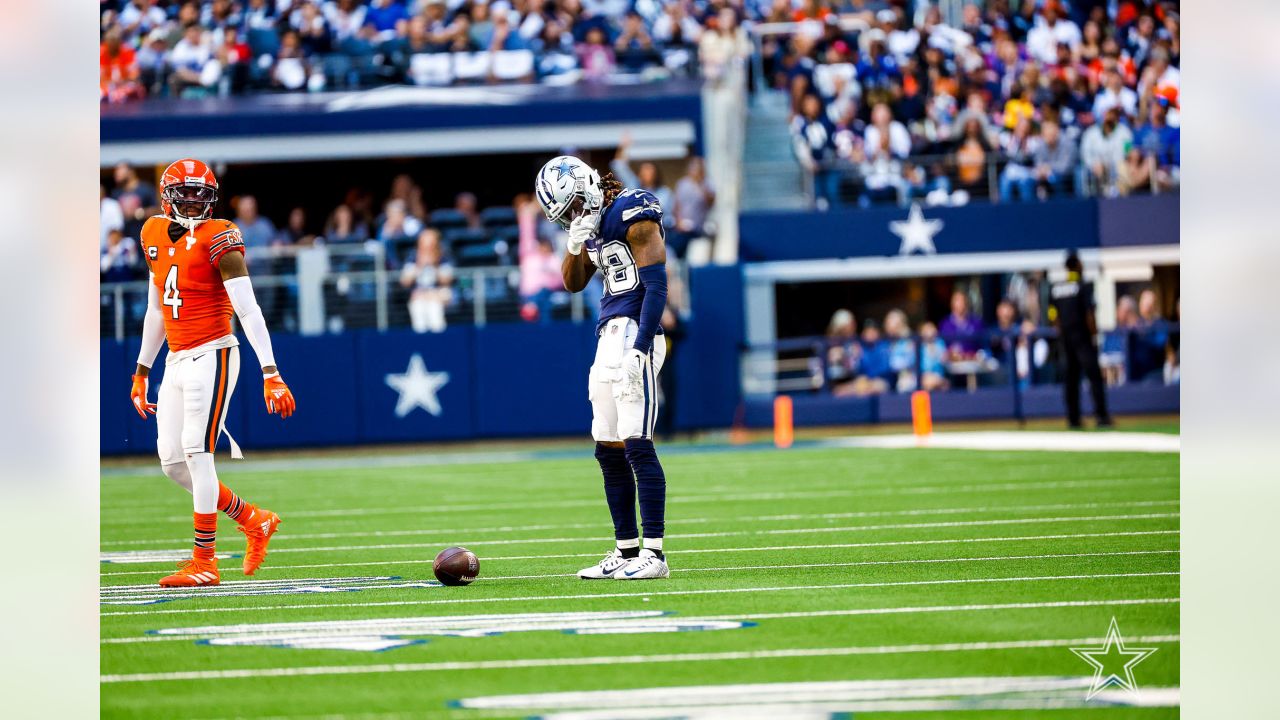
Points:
[(764, 354), (379, 277)]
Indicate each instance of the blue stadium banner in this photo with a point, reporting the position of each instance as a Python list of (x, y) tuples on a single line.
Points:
[(414, 387), (892, 231), (532, 379), (322, 373), (401, 109)]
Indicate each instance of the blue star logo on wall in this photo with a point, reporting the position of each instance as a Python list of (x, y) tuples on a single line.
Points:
[(564, 168), (1112, 663), (417, 388)]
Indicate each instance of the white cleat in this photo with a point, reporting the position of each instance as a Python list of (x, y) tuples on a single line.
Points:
[(603, 570), (646, 567)]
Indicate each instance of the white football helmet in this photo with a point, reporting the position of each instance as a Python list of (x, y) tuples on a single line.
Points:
[(567, 188)]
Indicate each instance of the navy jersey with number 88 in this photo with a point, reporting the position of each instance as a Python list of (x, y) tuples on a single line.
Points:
[(609, 251)]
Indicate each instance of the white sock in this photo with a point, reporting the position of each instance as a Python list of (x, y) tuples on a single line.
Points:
[(654, 544), (204, 482), (179, 473), (628, 544)]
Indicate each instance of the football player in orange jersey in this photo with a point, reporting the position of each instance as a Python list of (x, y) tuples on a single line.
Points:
[(198, 278)]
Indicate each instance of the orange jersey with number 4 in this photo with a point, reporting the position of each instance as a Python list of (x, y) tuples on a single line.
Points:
[(193, 301)]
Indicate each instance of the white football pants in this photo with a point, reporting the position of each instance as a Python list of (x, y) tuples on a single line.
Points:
[(614, 416)]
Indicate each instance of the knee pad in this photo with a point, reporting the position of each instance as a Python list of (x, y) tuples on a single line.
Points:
[(179, 473)]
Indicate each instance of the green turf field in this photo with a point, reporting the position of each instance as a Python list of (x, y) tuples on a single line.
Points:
[(813, 564)]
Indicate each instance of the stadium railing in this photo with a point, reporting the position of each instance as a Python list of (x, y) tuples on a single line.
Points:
[(803, 365), (331, 288)]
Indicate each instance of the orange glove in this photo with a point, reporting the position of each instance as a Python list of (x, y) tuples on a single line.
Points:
[(139, 396), (279, 398)]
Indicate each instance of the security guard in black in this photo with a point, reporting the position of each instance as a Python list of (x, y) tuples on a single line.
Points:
[(1071, 311)]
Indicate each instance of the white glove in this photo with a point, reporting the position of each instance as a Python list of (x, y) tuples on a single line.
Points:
[(580, 231), (631, 375)]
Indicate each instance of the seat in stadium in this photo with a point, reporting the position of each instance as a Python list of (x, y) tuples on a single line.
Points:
[(445, 219), (479, 254), (513, 64), (434, 69), (508, 233), (457, 237), (498, 216)]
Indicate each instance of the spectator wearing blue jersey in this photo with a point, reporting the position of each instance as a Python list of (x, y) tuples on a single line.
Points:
[(813, 136), (875, 373), (1147, 353), (902, 350), (385, 17), (1161, 142), (119, 259), (1113, 356), (933, 355), (1018, 177)]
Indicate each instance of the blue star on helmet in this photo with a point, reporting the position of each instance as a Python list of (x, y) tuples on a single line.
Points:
[(564, 168)]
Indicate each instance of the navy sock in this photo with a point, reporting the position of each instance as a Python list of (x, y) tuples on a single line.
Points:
[(619, 490), (652, 485)]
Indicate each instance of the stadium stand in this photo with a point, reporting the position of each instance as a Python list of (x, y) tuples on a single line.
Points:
[(1013, 133)]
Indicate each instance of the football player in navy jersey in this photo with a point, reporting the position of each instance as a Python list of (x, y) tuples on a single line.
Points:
[(621, 232)]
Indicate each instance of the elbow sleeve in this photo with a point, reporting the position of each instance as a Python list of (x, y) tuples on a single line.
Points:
[(152, 326), (240, 290)]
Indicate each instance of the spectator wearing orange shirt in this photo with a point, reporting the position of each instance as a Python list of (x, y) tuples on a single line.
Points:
[(811, 10), (118, 69)]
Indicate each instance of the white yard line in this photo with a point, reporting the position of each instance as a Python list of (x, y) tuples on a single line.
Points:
[(717, 454), (770, 548), (604, 525), (735, 533), (993, 558), (890, 490), (318, 670), (754, 616), (641, 593), (1022, 440)]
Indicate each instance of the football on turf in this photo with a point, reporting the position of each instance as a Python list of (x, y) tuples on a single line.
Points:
[(456, 566)]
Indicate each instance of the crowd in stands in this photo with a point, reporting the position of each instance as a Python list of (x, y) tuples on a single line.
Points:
[(871, 358), (194, 48), (896, 102), (424, 248)]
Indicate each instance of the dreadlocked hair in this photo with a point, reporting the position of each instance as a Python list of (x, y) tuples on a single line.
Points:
[(611, 187)]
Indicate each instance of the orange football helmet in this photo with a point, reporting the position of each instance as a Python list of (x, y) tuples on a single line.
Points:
[(188, 191)]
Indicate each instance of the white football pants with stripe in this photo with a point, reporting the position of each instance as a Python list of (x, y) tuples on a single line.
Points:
[(191, 407), (614, 415)]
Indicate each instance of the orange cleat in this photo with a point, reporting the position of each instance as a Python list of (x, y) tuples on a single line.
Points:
[(258, 530), (193, 573)]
